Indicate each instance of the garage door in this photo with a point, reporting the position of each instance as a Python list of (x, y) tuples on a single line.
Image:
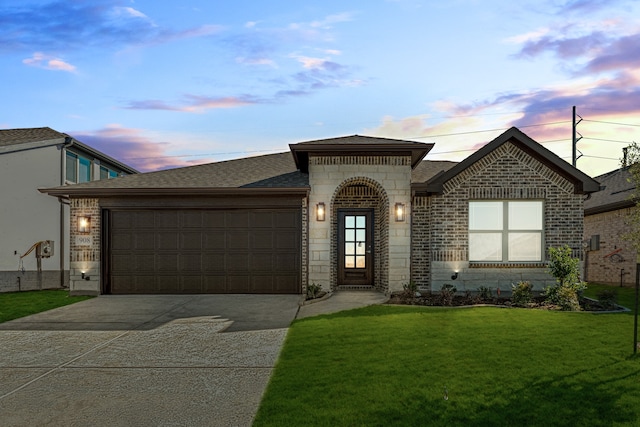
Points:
[(204, 251)]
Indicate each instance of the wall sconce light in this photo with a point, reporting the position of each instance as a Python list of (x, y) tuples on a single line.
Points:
[(454, 276), (399, 212), (320, 211), (84, 224), (85, 277)]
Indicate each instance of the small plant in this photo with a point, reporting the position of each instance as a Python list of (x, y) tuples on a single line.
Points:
[(410, 288), (313, 290), (568, 286), (447, 293), (608, 298), (521, 293), (485, 293)]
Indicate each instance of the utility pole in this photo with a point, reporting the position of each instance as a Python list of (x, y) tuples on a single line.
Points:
[(574, 138)]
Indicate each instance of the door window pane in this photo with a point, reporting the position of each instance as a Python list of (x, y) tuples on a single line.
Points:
[(349, 221), (485, 247), (361, 221), (350, 235), (485, 215), (360, 262), (525, 215), (349, 262), (349, 248)]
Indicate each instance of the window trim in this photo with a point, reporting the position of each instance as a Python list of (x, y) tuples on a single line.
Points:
[(505, 233)]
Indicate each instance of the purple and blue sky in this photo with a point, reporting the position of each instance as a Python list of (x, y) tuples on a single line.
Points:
[(160, 84)]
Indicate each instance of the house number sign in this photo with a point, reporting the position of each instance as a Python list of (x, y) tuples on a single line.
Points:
[(84, 240)]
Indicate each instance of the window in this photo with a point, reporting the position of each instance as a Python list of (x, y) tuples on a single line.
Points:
[(78, 169), (106, 173), (506, 231)]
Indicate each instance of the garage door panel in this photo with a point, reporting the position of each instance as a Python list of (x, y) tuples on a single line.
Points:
[(213, 239), (144, 219), (213, 262), (167, 219), (262, 219), (262, 240), (190, 262), (237, 262), (238, 239), (190, 240), (205, 251), (145, 262), (238, 284), (287, 240), (237, 219)]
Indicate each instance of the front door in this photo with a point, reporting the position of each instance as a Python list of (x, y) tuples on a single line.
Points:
[(355, 247)]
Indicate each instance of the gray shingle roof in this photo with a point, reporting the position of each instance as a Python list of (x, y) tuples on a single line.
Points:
[(615, 195), (20, 136)]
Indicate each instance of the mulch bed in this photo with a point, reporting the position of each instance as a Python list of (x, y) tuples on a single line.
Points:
[(436, 300)]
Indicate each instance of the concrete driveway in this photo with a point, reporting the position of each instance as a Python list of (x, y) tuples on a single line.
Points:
[(200, 360)]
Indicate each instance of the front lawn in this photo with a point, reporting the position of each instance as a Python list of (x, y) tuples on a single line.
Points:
[(626, 295), (393, 365), (19, 304)]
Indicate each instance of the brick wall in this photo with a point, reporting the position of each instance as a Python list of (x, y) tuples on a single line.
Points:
[(85, 248), (507, 173), (599, 267)]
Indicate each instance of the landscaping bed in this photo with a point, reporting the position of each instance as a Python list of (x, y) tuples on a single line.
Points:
[(433, 299)]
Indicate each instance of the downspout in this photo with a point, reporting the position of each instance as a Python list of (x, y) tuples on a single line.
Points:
[(68, 142)]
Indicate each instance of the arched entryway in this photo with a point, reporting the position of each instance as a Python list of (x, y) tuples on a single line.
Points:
[(360, 235)]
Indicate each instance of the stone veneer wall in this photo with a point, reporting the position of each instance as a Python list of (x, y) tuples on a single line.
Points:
[(507, 173), (85, 258), (335, 180), (610, 226)]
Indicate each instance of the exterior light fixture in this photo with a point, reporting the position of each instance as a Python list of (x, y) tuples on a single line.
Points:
[(84, 224), (85, 276), (399, 212), (454, 276), (320, 211)]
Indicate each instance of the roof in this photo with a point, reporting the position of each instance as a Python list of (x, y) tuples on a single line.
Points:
[(271, 171), (616, 192), (12, 137), (358, 145), (12, 140), (583, 183)]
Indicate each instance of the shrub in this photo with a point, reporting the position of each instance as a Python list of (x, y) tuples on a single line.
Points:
[(485, 293), (608, 298), (313, 290), (568, 284), (447, 292), (521, 293)]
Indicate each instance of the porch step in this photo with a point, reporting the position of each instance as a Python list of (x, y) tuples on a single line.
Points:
[(355, 288)]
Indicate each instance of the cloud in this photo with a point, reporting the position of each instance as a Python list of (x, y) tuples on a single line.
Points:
[(134, 148), (193, 104), (63, 26), (40, 60)]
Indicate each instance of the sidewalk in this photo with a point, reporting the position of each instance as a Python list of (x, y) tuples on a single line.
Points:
[(339, 301)]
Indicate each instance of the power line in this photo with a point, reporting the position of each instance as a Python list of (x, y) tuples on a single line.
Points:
[(612, 123), (487, 130), (608, 140)]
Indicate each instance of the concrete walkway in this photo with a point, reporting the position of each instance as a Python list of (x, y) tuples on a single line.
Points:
[(165, 360)]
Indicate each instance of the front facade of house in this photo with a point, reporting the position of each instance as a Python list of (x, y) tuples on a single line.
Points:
[(344, 213), (33, 158)]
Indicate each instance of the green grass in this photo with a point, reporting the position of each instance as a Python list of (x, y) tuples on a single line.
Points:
[(626, 295), (19, 304), (390, 365)]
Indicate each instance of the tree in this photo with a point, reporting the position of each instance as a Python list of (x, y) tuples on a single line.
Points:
[(633, 160)]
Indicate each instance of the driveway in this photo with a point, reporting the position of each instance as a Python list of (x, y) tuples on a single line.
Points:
[(165, 360)]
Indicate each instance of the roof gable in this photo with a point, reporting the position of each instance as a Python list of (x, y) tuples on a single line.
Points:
[(581, 181), (358, 145)]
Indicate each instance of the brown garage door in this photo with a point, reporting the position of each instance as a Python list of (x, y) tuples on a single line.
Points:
[(204, 251)]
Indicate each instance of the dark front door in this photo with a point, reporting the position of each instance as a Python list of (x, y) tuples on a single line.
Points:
[(355, 247)]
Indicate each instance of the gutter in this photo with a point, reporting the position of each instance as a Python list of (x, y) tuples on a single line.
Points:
[(68, 141), (175, 191)]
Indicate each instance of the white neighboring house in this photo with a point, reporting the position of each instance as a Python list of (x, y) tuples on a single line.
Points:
[(30, 159)]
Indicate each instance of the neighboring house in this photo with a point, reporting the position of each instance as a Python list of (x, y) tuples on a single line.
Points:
[(345, 213), (609, 257), (30, 159)]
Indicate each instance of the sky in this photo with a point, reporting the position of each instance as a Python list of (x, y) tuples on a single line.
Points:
[(164, 84)]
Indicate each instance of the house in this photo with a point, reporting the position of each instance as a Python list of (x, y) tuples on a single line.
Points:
[(609, 257), (34, 244), (354, 212)]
